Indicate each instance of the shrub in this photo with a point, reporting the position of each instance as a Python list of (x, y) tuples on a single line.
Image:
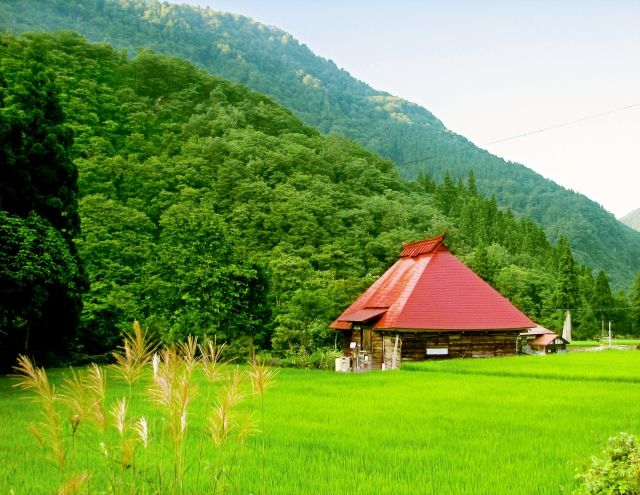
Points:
[(616, 471)]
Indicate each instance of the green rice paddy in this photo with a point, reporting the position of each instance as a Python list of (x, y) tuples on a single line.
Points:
[(511, 425)]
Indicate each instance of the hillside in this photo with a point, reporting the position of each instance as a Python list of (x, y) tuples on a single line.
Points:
[(328, 98), (207, 208), (632, 219)]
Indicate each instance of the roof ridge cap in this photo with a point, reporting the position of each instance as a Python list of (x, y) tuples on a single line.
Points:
[(423, 246)]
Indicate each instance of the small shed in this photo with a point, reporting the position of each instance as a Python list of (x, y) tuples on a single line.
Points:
[(429, 305), (540, 340), (549, 343)]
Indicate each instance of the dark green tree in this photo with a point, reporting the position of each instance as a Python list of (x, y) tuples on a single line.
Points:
[(472, 187), (602, 301), (634, 302), (198, 284), (446, 194), (36, 170), (38, 193), (566, 295)]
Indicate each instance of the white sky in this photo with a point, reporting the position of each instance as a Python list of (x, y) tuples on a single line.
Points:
[(491, 69)]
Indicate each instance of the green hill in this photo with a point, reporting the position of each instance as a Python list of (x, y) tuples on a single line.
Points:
[(632, 219), (328, 98), (208, 208)]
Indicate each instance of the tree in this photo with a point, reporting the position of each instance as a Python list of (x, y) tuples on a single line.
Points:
[(42, 278), (198, 284), (446, 194), (36, 170), (38, 280), (566, 295), (634, 296), (602, 300)]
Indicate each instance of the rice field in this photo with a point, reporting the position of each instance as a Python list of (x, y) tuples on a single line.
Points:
[(607, 365), (510, 425)]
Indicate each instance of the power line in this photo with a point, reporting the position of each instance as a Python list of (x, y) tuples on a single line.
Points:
[(563, 124), (525, 134), (620, 308)]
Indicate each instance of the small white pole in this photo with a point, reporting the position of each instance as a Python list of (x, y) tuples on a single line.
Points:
[(609, 334)]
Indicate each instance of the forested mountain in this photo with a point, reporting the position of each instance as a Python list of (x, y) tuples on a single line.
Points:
[(207, 208), (632, 219), (271, 61)]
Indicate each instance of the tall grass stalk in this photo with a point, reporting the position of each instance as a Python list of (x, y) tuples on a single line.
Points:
[(107, 428), (214, 371), (261, 379), (48, 432), (136, 351)]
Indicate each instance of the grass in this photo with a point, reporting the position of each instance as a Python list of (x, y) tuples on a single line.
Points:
[(606, 366), (604, 342), (466, 427)]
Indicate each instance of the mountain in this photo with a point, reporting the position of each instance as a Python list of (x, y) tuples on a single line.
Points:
[(270, 61), (207, 208), (632, 219)]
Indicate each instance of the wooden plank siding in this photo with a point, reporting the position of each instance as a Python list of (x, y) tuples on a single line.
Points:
[(413, 345)]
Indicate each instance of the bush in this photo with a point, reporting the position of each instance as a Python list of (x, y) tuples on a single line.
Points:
[(322, 359), (616, 471)]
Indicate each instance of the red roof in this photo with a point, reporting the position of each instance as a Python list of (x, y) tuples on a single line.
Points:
[(421, 247), (365, 315), (546, 339), (430, 289)]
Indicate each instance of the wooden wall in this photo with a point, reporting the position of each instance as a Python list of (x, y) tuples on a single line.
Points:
[(413, 345)]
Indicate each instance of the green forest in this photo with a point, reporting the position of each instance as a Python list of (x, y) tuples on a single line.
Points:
[(270, 61), (147, 189)]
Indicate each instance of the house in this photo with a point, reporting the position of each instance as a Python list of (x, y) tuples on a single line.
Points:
[(540, 340), (428, 305)]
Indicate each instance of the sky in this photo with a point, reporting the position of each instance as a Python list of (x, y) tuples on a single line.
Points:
[(494, 69)]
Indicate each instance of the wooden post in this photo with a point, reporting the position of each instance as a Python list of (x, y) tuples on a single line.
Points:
[(394, 356)]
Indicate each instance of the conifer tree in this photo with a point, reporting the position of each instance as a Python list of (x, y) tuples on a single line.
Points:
[(446, 194), (602, 300), (566, 295), (634, 302), (38, 201), (472, 188)]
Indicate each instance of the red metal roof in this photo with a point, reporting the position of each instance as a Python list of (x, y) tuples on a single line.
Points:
[(546, 339), (433, 290), (421, 247), (538, 330), (365, 315)]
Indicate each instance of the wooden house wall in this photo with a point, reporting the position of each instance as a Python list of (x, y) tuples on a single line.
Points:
[(413, 345), (458, 344)]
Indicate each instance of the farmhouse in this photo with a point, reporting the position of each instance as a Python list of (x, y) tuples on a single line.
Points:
[(428, 305)]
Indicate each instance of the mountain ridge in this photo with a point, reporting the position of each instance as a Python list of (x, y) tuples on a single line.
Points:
[(632, 219), (271, 61)]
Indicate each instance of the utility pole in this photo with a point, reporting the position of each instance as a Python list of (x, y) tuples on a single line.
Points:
[(609, 333)]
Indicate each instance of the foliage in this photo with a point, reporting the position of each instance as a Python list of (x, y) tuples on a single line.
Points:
[(602, 300), (270, 61), (41, 277), (38, 278), (635, 305), (615, 471)]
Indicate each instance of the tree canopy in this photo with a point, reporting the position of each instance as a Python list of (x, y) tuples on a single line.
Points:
[(41, 277)]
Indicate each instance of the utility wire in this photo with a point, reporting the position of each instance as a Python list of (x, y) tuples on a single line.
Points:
[(525, 134), (563, 124), (595, 309)]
